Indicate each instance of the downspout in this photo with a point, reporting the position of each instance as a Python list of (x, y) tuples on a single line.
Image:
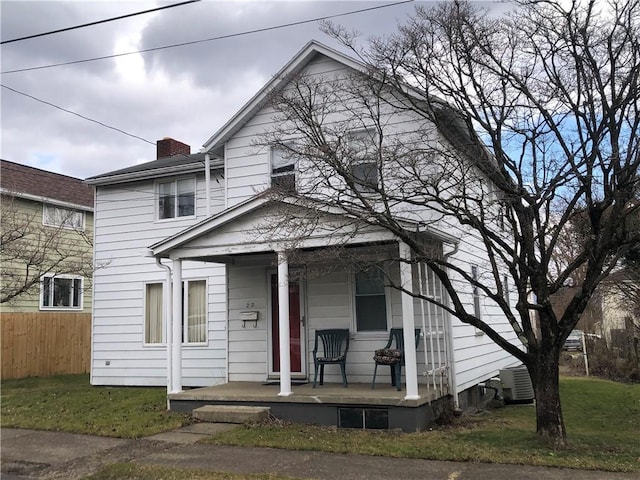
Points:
[(167, 308), (453, 382), (207, 182)]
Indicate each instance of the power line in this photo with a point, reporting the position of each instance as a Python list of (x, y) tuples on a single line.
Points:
[(76, 114), (96, 23), (222, 37)]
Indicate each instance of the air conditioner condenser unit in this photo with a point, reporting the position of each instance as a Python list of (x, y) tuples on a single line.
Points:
[(516, 385)]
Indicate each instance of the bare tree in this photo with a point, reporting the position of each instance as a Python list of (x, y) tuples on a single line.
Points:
[(29, 249), (526, 122)]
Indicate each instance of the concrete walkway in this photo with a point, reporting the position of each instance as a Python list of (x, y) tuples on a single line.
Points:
[(30, 454)]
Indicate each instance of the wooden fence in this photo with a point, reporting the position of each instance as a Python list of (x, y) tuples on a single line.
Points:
[(43, 344)]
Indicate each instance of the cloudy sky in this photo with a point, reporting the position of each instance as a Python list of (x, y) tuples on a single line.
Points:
[(185, 92)]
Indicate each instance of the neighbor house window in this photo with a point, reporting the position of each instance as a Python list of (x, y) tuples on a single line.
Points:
[(194, 312), (364, 164), (283, 169), (54, 216), (370, 300), (177, 198), (63, 292)]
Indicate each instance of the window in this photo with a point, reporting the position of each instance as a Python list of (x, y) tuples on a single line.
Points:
[(62, 292), (370, 300), (176, 198), (63, 217), (476, 291), (283, 169), (194, 312), (364, 166), (153, 332)]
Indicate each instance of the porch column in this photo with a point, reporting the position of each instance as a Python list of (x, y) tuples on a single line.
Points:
[(176, 326), (283, 325), (408, 323)]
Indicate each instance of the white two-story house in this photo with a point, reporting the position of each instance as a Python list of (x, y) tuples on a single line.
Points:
[(206, 286)]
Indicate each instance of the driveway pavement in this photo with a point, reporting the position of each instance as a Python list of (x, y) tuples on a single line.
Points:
[(30, 454)]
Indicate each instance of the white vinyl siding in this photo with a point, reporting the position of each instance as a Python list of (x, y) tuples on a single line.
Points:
[(125, 227)]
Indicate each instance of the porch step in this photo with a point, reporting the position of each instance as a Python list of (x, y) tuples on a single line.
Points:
[(231, 414)]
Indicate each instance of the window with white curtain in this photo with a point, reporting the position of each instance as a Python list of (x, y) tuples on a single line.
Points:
[(195, 311), (194, 316), (153, 331)]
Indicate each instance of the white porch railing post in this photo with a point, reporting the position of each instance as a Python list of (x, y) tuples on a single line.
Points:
[(408, 323), (283, 325), (176, 325)]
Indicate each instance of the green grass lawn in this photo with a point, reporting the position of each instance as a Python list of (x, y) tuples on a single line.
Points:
[(69, 403), (602, 419)]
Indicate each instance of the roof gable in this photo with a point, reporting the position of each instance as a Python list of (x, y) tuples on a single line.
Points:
[(295, 65), (33, 182)]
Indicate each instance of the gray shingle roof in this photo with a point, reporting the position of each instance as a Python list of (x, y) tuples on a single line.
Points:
[(21, 179)]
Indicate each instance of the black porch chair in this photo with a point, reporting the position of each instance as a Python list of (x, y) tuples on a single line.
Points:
[(335, 345), (394, 357)]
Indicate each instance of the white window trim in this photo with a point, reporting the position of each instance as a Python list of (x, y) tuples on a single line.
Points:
[(175, 180), (65, 227), (370, 334), (59, 308)]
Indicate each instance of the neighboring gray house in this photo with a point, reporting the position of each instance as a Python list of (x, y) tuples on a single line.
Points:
[(187, 228)]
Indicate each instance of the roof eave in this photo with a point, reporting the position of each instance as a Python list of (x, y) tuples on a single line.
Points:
[(150, 174)]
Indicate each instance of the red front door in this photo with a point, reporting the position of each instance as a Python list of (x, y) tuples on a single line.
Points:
[(295, 332)]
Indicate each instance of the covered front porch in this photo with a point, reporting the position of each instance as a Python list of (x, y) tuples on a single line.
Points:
[(282, 290), (358, 406)]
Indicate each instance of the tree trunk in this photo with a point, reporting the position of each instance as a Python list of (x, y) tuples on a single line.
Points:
[(545, 378)]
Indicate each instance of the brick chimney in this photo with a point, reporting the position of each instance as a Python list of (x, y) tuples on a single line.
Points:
[(168, 147)]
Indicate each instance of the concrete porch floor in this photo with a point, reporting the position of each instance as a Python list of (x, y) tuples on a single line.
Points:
[(329, 393)]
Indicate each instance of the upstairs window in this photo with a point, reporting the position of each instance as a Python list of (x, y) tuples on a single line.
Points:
[(62, 292), (54, 216), (364, 164), (370, 300), (283, 169), (177, 198)]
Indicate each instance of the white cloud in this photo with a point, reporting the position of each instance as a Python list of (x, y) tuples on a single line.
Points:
[(185, 92)]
